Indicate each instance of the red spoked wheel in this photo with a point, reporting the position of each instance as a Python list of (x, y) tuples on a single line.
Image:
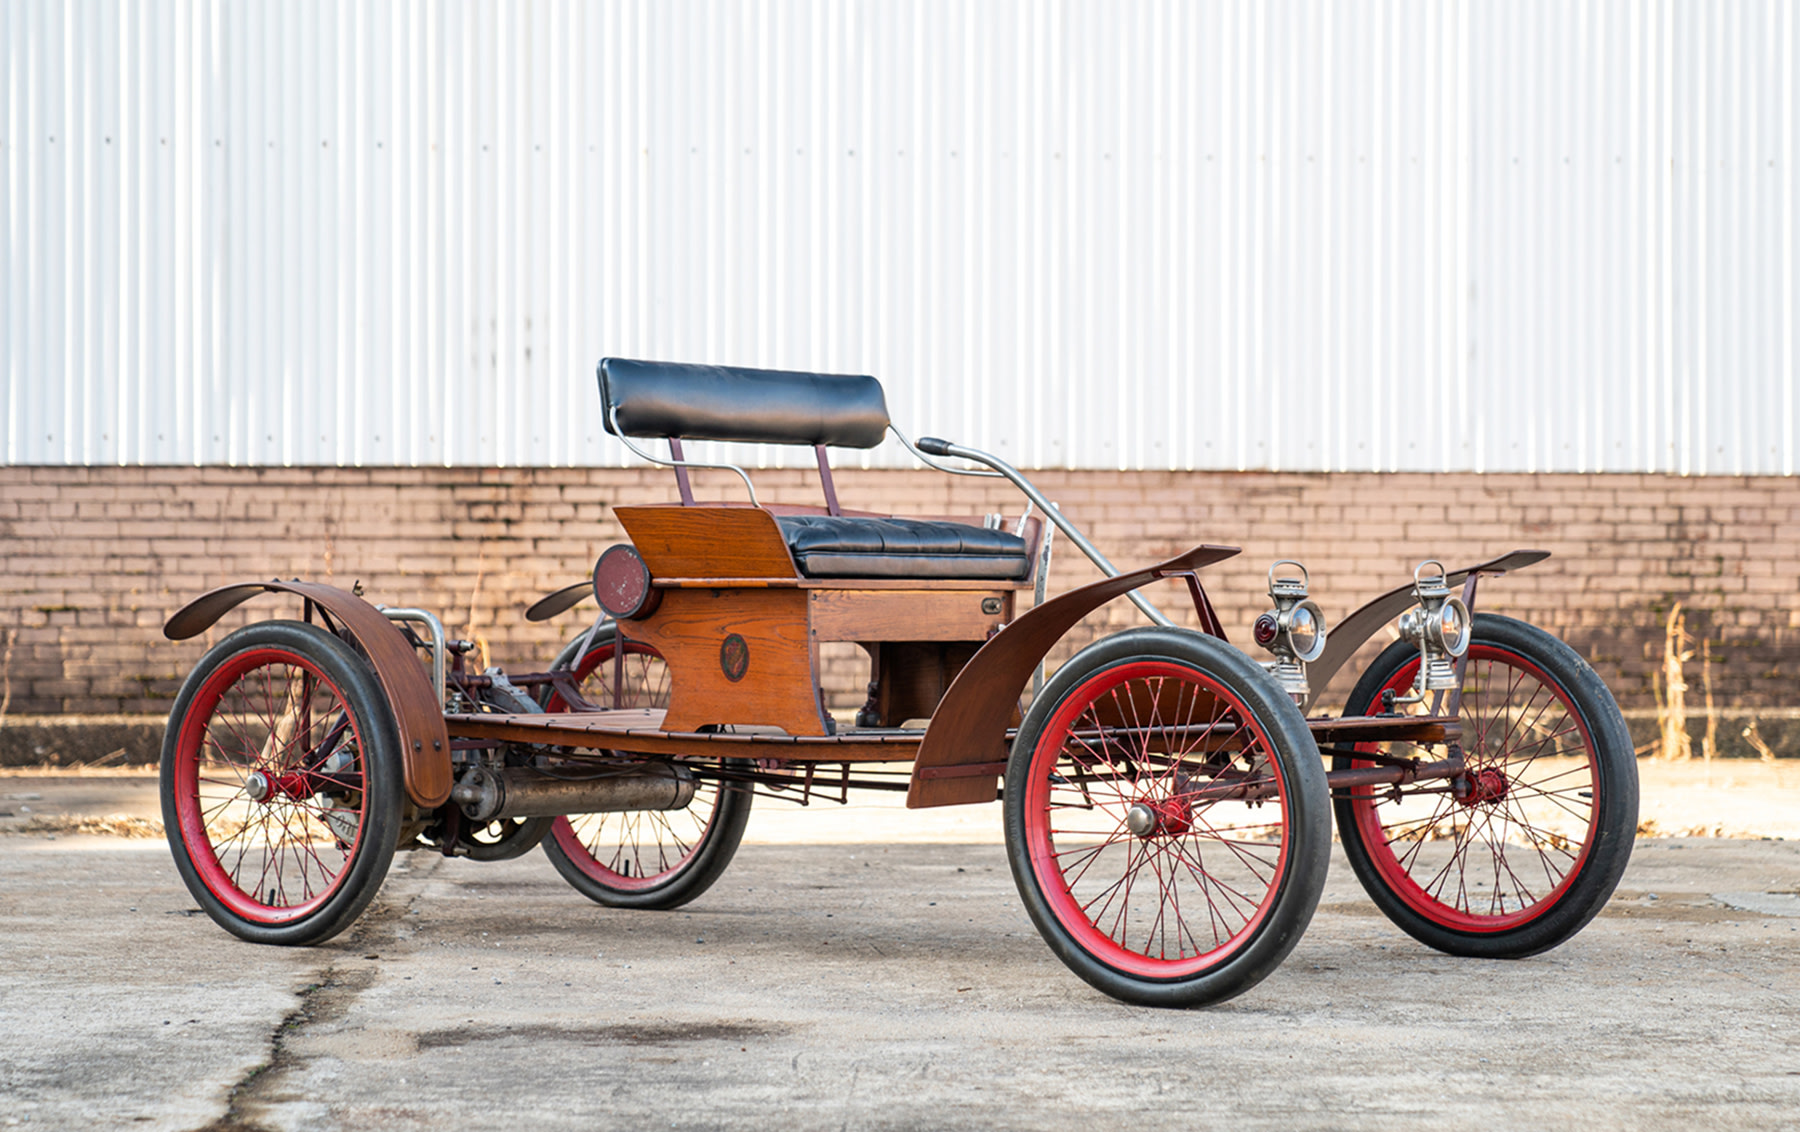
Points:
[(1518, 853), (281, 784), (643, 858), (1166, 818)]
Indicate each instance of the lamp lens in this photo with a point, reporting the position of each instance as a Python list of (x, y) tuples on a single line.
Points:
[(1303, 630), (1453, 627), (1265, 630)]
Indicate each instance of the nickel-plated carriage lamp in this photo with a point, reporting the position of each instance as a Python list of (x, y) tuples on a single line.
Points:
[(1294, 630), (1439, 625)]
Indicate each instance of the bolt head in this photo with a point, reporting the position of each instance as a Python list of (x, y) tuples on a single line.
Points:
[(1140, 819)]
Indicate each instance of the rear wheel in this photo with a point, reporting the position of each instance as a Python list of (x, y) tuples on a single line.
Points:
[(1166, 819), (643, 858), (1521, 851), (281, 784)]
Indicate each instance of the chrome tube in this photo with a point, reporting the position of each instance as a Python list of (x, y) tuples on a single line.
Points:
[(1037, 598), (439, 652), (626, 441), (935, 447), (930, 463)]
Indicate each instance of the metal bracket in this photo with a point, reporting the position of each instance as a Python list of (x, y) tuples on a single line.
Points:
[(1203, 606)]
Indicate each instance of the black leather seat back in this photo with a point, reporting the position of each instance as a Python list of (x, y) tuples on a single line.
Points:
[(757, 406)]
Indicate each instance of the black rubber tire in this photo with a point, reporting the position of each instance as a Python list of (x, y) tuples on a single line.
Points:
[(1295, 879), (361, 865), (1611, 821), (694, 874)]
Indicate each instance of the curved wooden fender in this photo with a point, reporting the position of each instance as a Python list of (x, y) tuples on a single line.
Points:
[(964, 750), (1344, 639), (424, 742)]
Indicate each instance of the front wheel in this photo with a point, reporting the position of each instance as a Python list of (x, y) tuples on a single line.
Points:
[(1524, 848), (1166, 819), (644, 858), (281, 784)]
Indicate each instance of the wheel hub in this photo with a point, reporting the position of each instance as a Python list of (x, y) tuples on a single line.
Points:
[(262, 788), (1489, 785), (1168, 817)]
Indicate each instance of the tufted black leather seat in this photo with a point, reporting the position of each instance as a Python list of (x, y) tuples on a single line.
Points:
[(842, 546)]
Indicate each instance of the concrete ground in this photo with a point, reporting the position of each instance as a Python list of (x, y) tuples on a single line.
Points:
[(870, 969)]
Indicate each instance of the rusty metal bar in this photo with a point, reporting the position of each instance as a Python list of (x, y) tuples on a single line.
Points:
[(1203, 607), (640, 732), (681, 473), (618, 668), (1452, 704), (1393, 775), (831, 498)]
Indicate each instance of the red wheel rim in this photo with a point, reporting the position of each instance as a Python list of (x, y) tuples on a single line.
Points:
[(1512, 852), (637, 850), (269, 712), (1176, 744)]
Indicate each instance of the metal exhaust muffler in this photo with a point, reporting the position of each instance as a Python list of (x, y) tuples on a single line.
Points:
[(524, 792)]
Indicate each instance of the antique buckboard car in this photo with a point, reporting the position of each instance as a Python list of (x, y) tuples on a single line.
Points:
[(1167, 799)]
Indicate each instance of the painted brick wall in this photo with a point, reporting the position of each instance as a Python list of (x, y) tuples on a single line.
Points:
[(96, 558)]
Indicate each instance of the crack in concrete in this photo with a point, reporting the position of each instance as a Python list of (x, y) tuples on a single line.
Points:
[(321, 1003)]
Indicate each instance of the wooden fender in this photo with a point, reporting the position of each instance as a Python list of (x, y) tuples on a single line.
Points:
[(424, 742), (964, 750)]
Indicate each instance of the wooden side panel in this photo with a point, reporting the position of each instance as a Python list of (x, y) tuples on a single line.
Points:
[(908, 615), (708, 542), (773, 661)]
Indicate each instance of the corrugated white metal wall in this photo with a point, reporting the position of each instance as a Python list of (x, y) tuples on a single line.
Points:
[(1371, 234)]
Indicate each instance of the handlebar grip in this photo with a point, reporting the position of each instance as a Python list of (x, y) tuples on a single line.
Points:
[(932, 446)]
